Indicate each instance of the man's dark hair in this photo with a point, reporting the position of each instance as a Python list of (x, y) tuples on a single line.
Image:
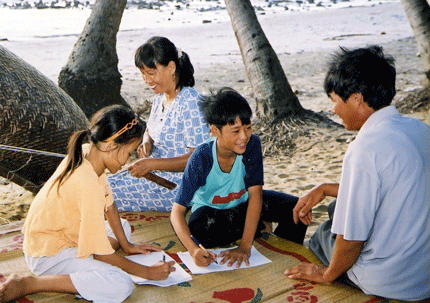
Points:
[(365, 70)]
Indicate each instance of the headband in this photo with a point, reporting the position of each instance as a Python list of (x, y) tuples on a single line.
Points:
[(122, 130)]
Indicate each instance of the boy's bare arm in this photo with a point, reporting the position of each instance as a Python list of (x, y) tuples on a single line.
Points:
[(177, 217), (243, 252)]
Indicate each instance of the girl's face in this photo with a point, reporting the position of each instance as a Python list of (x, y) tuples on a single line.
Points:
[(160, 79), (233, 138), (119, 156)]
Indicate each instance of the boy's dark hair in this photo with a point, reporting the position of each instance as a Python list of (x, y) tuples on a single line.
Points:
[(161, 50), (364, 70), (222, 108)]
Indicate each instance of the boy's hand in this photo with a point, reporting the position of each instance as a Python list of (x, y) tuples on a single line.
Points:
[(203, 258), (238, 254), (143, 248), (160, 270)]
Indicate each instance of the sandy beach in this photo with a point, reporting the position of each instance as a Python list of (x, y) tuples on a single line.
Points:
[(303, 41)]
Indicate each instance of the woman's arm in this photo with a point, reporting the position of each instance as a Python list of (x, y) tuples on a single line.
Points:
[(145, 165), (145, 149), (243, 252)]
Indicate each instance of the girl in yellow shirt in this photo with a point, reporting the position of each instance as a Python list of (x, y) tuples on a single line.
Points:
[(66, 242)]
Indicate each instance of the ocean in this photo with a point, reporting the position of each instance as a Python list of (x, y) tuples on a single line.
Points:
[(22, 20)]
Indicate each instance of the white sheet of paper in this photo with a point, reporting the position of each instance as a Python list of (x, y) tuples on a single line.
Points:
[(176, 277), (256, 259)]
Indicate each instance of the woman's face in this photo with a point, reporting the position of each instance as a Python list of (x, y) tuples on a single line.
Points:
[(160, 79)]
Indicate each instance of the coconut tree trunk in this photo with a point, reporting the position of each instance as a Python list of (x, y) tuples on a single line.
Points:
[(91, 75), (274, 96), (418, 14), (34, 114)]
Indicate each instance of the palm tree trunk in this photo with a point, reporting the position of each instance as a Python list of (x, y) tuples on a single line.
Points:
[(418, 14), (91, 75), (274, 96)]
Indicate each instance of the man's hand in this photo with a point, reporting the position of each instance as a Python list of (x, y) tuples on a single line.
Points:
[(308, 271), (303, 209)]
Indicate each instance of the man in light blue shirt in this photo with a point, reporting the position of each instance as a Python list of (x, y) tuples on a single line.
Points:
[(379, 233)]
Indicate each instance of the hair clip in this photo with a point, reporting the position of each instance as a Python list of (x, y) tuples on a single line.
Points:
[(179, 52), (122, 130)]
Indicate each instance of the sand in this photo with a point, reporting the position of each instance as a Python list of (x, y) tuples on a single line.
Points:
[(303, 42)]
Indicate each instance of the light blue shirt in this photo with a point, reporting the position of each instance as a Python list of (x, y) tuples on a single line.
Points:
[(225, 190), (384, 200)]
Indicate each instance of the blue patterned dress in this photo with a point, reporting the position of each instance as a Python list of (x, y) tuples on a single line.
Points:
[(176, 129)]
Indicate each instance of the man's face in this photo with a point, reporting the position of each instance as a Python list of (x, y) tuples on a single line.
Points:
[(347, 111)]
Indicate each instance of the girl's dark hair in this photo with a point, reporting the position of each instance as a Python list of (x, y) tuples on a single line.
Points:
[(104, 124), (364, 70), (161, 50), (224, 106)]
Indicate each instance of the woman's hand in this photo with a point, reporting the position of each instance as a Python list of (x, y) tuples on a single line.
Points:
[(238, 254), (141, 167), (160, 270), (143, 248), (144, 150), (203, 258)]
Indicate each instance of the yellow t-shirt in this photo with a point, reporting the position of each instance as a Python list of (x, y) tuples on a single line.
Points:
[(70, 217)]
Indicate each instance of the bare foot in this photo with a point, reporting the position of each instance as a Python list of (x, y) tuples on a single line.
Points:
[(16, 286)]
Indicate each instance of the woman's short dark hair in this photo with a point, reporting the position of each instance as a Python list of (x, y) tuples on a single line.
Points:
[(224, 106), (365, 70), (162, 51)]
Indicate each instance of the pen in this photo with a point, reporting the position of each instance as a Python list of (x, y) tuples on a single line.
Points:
[(200, 245)]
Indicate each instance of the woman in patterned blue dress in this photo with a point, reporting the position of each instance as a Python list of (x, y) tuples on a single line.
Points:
[(174, 129)]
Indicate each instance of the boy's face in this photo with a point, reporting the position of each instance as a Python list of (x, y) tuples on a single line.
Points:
[(233, 137)]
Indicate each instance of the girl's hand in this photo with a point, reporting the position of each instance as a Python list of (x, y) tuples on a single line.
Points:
[(203, 258), (142, 248), (141, 167), (161, 270), (238, 254)]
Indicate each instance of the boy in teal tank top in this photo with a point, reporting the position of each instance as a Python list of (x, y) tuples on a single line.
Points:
[(223, 186)]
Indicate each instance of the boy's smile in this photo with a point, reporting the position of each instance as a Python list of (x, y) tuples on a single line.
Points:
[(232, 138)]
